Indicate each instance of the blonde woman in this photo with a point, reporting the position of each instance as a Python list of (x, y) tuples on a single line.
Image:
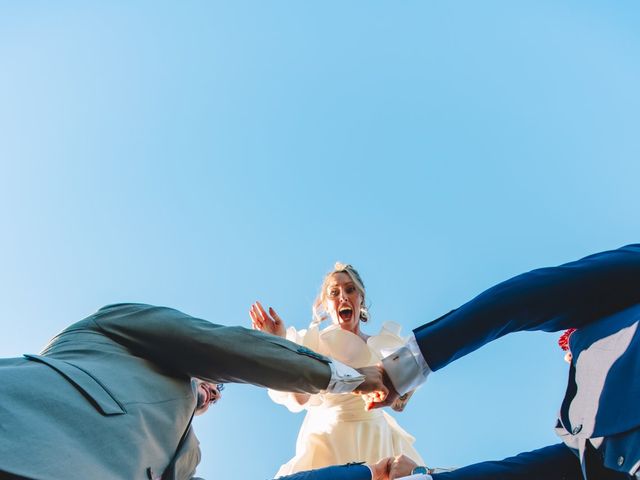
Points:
[(337, 429)]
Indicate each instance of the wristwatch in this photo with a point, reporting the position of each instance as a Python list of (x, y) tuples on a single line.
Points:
[(422, 469)]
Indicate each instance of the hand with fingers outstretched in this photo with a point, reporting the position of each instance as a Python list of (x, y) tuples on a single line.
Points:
[(266, 322), (272, 323)]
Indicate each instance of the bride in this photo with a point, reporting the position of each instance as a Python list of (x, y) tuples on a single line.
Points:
[(337, 429)]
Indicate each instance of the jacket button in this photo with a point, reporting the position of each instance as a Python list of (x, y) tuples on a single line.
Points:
[(576, 430), (620, 460)]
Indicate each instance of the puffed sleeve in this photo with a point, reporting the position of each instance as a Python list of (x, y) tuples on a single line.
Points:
[(308, 338), (388, 340)]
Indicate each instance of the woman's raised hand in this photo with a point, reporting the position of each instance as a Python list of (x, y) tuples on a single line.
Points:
[(266, 322)]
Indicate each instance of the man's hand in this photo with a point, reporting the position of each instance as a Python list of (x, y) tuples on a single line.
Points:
[(391, 468), (401, 466), (383, 395), (380, 470), (373, 386)]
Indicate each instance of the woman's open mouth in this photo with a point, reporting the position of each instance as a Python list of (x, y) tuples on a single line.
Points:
[(345, 313)]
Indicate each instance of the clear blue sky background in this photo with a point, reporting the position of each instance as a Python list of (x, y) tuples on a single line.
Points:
[(203, 155)]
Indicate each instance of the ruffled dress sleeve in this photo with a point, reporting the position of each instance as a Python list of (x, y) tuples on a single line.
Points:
[(308, 338), (387, 341)]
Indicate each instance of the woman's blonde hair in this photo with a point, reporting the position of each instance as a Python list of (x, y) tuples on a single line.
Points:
[(319, 311)]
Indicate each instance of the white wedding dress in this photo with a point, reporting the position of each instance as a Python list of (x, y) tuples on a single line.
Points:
[(337, 429)]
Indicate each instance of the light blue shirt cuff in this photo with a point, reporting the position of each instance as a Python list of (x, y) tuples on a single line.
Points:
[(344, 379), (406, 367)]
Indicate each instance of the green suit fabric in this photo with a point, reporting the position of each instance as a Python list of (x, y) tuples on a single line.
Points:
[(112, 397)]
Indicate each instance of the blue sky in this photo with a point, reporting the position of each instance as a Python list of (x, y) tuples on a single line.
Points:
[(203, 155)]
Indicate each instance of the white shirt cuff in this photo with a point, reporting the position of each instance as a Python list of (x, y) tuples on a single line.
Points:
[(406, 367), (344, 379)]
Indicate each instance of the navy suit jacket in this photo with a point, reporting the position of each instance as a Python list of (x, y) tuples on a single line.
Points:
[(600, 296), (600, 415)]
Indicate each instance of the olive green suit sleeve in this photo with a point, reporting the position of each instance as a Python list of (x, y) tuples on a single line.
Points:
[(197, 348)]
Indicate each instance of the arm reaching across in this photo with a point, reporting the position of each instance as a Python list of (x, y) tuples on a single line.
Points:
[(214, 353), (572, 295), (196, 348)]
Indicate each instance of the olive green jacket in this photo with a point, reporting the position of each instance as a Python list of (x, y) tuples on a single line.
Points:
[(111, 397)]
